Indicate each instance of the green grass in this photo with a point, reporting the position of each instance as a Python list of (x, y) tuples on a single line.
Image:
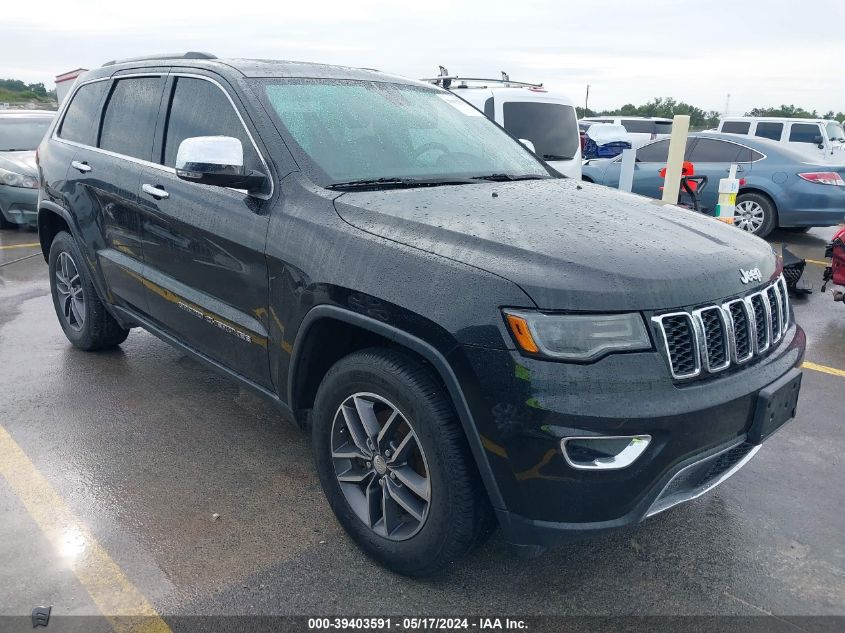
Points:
[(12, 96)]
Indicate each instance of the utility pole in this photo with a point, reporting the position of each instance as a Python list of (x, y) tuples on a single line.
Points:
[(727, 106), (587, 102)]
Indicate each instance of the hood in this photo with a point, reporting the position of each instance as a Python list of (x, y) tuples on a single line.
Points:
[(19, 162), (569, 245)]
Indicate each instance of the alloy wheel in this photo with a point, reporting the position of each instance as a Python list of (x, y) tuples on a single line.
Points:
[(749, 216), (380, 466), (70, 292)]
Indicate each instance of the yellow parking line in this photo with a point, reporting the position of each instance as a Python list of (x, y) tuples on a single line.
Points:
[(8, 246), (125, 607), (824, 369), (817, 262)]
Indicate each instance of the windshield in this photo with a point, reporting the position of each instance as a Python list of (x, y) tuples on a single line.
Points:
[(348, 131), (551, 127), (835, 132), (21, 133)]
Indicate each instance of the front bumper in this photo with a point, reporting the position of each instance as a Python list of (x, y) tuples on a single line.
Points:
[(19, 205), (524, 407)]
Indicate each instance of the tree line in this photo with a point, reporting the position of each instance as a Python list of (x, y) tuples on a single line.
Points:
[(17, 90), (703, 119)]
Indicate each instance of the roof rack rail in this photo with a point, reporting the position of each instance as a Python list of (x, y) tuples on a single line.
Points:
[(145, 58), (444, 80)]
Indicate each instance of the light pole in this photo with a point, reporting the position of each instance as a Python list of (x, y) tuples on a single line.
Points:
[(587, 101)]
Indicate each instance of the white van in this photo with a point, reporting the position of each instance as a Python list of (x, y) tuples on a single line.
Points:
[(819, 138), (529, 112), (641, 129)]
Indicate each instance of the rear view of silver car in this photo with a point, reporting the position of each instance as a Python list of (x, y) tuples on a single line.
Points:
[(20, 133)]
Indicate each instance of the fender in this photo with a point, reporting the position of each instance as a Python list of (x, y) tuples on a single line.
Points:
[(424, 349), (52, 207)]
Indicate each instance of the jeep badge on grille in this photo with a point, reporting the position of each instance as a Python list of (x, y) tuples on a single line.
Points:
[(747, 276)]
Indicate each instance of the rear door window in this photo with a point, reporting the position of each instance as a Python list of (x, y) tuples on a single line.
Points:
[(551, 127), (78, 123), (769, 130), (130, 116), (709, 150), (655, 153), (200, 108), (804, 133), (736, 127)]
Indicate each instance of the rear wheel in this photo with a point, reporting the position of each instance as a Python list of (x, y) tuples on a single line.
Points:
[(755, 214), (83, 317), (394, 464)]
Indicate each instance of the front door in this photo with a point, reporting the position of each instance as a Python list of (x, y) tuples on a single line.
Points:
[(204, 245)]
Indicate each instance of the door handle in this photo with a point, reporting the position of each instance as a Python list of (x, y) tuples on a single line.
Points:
[(81, 166), (156, 192)]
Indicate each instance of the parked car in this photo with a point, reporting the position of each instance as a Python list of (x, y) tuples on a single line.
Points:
[(20, 133), (528, 111), (471, 338), (605, 140), (820, 139), (780, 188), (640, 130)]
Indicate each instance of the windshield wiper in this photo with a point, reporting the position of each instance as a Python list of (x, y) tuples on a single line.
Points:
[(509, 177), (377, 183), (556, 157)]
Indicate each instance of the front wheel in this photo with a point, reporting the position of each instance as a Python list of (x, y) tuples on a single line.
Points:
[(755, 214), (83, 317), (394, 464)]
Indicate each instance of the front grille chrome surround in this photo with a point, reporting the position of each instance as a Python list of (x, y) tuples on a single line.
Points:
[(712, 338)]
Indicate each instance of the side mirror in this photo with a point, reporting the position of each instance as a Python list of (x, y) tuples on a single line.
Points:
[(215, 160), (819, 140), (528, 144)]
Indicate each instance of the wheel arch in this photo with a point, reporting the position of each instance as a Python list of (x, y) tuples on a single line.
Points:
[(304, 361), (761, 192), (52, 219)]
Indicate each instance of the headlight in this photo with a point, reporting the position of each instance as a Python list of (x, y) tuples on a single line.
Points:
[(13, 179), (577, 337)]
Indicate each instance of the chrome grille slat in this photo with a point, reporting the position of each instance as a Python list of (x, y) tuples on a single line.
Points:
[(712, 338)]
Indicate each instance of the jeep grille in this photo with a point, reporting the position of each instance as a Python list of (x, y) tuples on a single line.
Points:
[(712, 338)]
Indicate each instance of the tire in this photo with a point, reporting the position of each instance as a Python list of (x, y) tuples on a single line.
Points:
[(755, 214), (457, 513), (83, 317)]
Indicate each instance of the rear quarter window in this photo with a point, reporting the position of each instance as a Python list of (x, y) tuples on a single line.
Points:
[(78, 124)]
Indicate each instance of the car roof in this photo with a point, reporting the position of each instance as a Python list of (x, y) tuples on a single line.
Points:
[(253, 68), (776, 119), (630, 118)]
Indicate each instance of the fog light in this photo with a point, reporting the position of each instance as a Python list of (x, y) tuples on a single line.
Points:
[(603, 452)]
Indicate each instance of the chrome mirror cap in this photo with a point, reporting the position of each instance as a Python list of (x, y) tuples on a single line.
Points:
[(202, 156)]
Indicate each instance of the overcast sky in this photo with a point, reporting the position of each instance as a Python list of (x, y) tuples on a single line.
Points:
[(761, 52)]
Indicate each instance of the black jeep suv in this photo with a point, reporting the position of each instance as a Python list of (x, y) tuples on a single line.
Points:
[(472, 339)]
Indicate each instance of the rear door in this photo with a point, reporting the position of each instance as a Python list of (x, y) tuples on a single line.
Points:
[(713, 158), (204, 245), (103, 181)]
